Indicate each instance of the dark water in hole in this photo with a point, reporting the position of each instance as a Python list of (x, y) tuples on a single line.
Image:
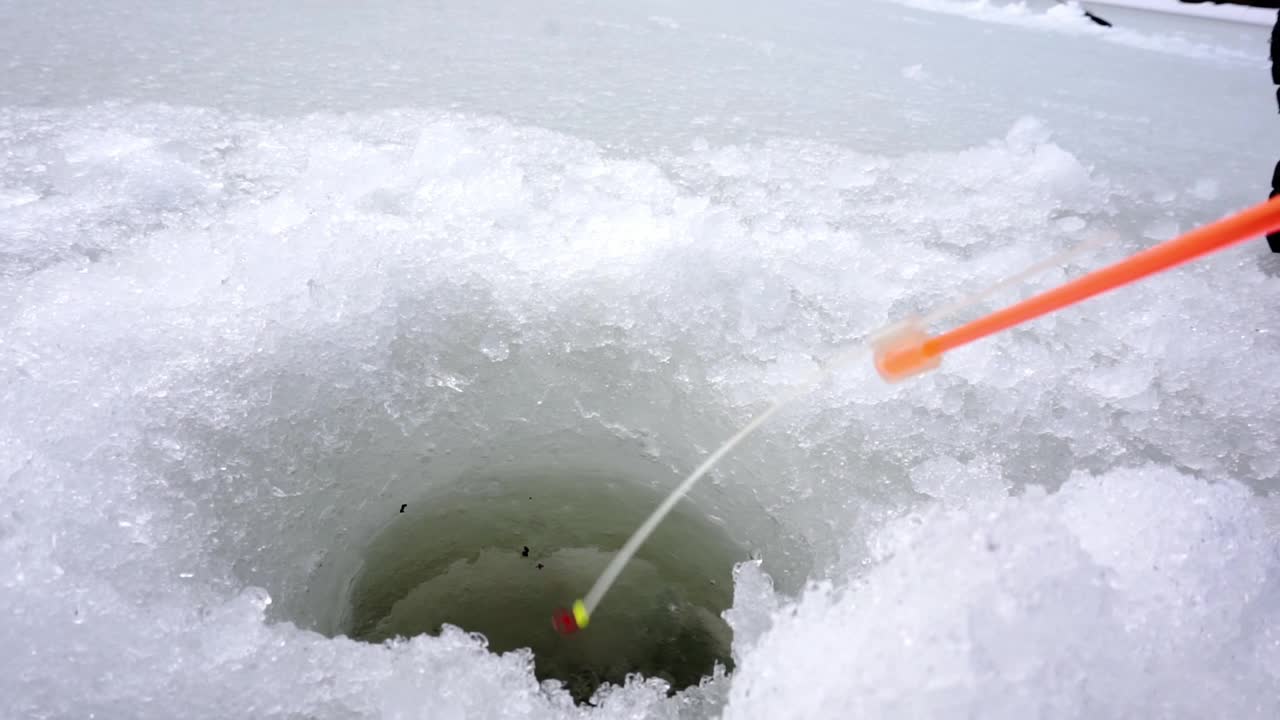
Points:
[(459, 558)]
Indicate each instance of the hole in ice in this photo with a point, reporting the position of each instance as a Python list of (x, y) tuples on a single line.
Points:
[(485, 558)]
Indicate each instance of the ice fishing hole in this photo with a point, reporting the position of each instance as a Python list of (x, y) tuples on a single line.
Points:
[(458, 557)]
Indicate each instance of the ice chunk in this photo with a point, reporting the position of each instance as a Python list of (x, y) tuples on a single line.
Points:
[(755, 603), (1113, 593), (946, 478), (1072, 224)]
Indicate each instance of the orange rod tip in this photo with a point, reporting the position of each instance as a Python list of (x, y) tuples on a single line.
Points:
[(901, 351)]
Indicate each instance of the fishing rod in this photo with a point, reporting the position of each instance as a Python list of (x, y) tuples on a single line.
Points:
[(906, 349)]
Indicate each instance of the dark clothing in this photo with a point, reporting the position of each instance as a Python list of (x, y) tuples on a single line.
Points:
[(1275, 54), (1274, 238)]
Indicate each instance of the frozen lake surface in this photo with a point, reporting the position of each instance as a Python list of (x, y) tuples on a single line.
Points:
[(269, 272)]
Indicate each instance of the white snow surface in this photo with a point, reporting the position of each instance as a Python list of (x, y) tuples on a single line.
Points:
[(249, 300)]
